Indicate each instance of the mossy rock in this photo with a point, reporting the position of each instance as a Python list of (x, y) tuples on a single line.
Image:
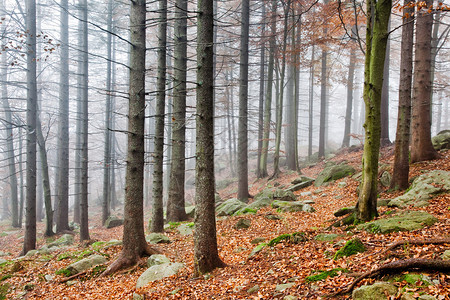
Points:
[(295, 238), (86, 264), (64, 240), (245, 210), (257, 249), (325, 274), (221, 184), (242, 224), (334, 172), (229, 207), (113, 221), (407, 221), (157, 238), (441, 140), (350, 248), (376, 291), (326, 237)]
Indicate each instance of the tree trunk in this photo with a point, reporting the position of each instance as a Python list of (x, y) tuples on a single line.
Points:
[(106, 203), (323, 95), (311, 102), (10, 155), (279, 121), (45, 179), (421, 146), (29, 242), (401, 157), (376, 38), (348, 111), (268, 101), (243, 105), (63, 125), (176, 201), (206, 257), (22, 196), (157, 223), (262, 71), (385, 141), (84, 220)]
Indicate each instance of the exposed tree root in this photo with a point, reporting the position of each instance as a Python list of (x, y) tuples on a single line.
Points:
[(73, 276), (438, 240), (401, 265)]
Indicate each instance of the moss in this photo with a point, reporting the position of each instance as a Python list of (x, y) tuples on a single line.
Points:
[(246, 211), (351, 247), (190, 225), (295, 238), (4, 288), (63, 272), (4, 277), (63, 256), (98, 245), (174, 225), (325, 274), (97, 270)]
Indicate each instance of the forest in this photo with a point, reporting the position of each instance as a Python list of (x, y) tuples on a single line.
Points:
[(293, 149)]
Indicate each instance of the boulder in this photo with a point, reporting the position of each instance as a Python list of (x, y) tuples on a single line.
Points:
[(229, 207), (157, 259), (376, 291), (86, 264), (259, 203), (157, 238), (423, 188), (300, 183), (446, 255), (186, 229), (283, 287), (385, 179), (258, 240), (242, 224), (257, 249), (407, 221), (2, 261), (326, 237), (113, 221), (32, 252), (158, 272), (287, 206), (190, 211), (333, 172), (441, 140), (64, 240)]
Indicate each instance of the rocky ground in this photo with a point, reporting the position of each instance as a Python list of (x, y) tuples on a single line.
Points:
[(280, 252)]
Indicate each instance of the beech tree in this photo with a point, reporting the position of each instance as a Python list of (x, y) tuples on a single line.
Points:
[(378, 13), (206, 257)]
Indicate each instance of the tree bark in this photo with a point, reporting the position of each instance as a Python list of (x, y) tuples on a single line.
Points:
[(311, 103), (63, 124), (401, 158), (243, 105), (385, 141), (262, 65), (157, 223), (206, 257), (134, 244), (84, 220), (421, 146), (176, 201), (376, 38), (348, 111), (30, 215), (323, 95)]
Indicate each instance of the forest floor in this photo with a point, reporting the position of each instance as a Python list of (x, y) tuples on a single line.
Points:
[(285, 262)]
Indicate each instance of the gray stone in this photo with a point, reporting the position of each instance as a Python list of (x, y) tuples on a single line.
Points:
[(71, 282), (383, 202), (326, 237), (423, 188), (157, 259), (48, 277), (397, 203), (305, 194), (137, 296), (300, 186), (342, 184), (259, 203), (308, 208), (385, 179), (283, 287), (257, 249), (290, 297), (406, 221), (86, 264), (284, 195), (190, 211), (333, 172), (407, 296), (113, 221), (64, 240), (376, 291), (253, 289), (158, 272), (441, 140), (32, 252), (273, 217), (446, 255), (157, 238), (242, 224), (186, 229), (426, 297), (287, 206), (229, 207), (4, 253), (2, 261)]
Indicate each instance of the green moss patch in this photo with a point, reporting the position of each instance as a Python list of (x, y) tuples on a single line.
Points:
[(325, 274), (4, 288), (295, 238), (350, 248)]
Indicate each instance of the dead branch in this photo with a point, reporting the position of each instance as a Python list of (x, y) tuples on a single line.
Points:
[(73, 276), (401, 265)]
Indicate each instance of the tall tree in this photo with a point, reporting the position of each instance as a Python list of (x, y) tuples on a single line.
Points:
[(106, 203), (350, 79), (323, 93), (134, 244), (176, 201), (268, 97), (262, 71), (206, 257), (84, 220), (311, 102), (243, 104), (63, 124), (10, 152), (157, 224), (385, 97), (29, 242), (401, 157), (421, 146), (378, 13), (280, 95)]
